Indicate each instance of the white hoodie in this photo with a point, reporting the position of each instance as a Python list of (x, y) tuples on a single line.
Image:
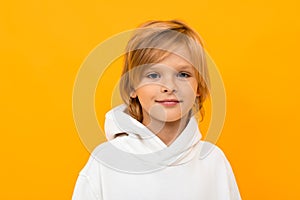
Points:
[(139, 166)]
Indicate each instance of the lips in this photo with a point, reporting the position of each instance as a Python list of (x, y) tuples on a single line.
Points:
[(168, 102)]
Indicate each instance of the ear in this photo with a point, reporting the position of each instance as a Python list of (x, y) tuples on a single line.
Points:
[(133, 94), (198, 93)]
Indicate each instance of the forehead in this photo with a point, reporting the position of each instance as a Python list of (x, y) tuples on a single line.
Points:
[(175, 51), (166, 49), (173, 61)]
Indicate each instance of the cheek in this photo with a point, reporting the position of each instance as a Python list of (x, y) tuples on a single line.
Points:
[(189, 88), (194, 86), (146, 93)]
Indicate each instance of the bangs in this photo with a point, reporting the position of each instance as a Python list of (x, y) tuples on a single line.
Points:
[(154, 44)]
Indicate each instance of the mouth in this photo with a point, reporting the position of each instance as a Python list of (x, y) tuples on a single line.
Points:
[(168, 102)]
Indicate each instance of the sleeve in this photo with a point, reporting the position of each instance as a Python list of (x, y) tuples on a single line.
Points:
[(226, 178), (233, 187), (88, 184)]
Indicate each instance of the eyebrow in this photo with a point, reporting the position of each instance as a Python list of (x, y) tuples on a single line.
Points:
[(186, 67), (181, 67)]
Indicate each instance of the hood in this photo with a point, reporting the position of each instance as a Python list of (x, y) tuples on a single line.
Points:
[(141, 140), (118, 121)]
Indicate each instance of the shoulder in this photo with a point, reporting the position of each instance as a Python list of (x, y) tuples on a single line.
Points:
[(88, 184), (94, 162), (215, 159), (106, 155), (209, 150), (213, 156)]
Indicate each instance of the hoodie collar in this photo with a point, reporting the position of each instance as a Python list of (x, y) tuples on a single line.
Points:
[(142, 151), (117, 121)]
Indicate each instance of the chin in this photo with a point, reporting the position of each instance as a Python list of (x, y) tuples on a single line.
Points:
[(173, 119), (177, 117)]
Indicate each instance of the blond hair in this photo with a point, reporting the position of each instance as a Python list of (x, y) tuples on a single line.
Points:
[(151, 43)]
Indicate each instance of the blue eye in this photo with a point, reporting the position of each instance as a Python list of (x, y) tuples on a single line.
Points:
[(183, 75), (153, 75)]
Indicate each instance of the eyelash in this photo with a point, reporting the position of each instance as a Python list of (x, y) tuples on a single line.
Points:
[(152, 74), (179, 75), (186, 75)]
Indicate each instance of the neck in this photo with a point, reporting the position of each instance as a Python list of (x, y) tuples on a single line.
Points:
[(167, 131)]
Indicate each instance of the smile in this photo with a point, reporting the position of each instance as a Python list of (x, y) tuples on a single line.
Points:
[(168, 102)]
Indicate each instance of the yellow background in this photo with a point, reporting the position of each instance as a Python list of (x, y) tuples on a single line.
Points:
[(255, 45)]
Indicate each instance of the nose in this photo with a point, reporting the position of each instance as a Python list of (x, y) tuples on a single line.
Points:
[(168, 86), (167, 90)]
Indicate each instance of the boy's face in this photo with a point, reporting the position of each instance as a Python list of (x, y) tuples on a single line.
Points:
[(167, 90)]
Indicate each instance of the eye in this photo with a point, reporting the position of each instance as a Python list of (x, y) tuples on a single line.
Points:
[(153, 75), (183, 75)]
